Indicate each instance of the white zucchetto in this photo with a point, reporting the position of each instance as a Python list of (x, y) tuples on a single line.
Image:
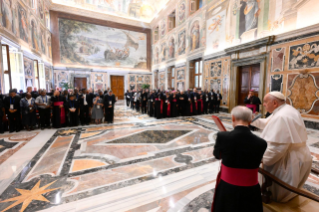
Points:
[(278, 95)]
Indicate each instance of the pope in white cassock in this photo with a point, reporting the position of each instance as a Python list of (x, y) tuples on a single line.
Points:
[(287, 155)]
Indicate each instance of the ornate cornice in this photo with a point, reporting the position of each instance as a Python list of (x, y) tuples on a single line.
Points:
[(251, 45)]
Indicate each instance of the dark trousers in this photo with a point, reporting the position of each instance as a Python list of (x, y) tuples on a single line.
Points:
[(85, 116), (73, 119), (1, 124), (15, 121), (109, 115), (45, 116), (132, 105), (217, 107), (205, 108), (144, 107), (212, 107), (127, 102), (137, 106)]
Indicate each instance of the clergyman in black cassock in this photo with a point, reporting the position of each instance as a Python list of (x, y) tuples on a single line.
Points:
[(206, 99), (251, 99), (218, 100), (58, 103), (109, 101), (241, 152), (158, 105), (174, 105), (212, 102), (144, 101), (151, 104), (182, 103)]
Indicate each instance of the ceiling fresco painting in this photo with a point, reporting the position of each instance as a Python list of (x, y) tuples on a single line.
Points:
[(141, 10)]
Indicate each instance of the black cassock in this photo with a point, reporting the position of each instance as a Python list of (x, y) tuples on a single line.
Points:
[(194, 102), (206, 102), (200, 104), (109, 102), (165, 102), (253, 100), (57, 119), (174, 108), (182, 104), (73, 118), (151, 105), (242, 150), (158, 106)]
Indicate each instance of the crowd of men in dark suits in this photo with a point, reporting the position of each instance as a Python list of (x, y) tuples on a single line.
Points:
[(54, 109), (163, 104)]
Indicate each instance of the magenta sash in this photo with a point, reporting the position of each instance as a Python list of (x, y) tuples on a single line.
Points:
[(168, 109), (201, 105), (62, 113), (254, 107)]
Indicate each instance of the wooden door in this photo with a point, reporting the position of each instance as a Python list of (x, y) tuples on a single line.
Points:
[(248, 79), (117, 86), (79, 83)]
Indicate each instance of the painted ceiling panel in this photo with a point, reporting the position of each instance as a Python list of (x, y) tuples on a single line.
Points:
[(141, 10)]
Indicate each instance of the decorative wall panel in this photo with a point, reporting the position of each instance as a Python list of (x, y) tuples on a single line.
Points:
[(278, 60), (303, 91)]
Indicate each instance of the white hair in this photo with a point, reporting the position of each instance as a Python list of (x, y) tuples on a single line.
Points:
[(242, 113)]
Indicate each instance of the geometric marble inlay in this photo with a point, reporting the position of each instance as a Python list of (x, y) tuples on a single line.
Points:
[(152, 136), (6, 145)]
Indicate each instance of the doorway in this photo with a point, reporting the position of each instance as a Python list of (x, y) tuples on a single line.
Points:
[(248, 79), (80, 82), (117, 86)]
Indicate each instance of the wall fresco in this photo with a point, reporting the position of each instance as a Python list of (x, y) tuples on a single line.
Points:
[(94, 45)]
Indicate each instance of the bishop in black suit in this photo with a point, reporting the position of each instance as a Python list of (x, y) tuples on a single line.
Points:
[(241, 152)]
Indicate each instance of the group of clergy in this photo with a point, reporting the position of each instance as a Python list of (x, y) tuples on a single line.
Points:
[(164, 104), (56, 109)]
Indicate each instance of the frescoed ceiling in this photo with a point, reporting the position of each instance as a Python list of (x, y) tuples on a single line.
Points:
[(140, 10)]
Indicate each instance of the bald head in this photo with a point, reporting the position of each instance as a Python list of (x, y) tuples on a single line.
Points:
[(271, 102)]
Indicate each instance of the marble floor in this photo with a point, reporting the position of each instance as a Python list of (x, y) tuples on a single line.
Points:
[(137, 164)]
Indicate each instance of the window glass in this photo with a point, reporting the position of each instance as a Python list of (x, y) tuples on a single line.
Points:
[(200, 81), (196, 81), (4, 58), (200, 66), (196, 67), (173, 83), (6, 84), (173, 72), (17, 72), (41, 76)]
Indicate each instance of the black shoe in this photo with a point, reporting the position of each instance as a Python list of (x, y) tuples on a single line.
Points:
[(42, 128)]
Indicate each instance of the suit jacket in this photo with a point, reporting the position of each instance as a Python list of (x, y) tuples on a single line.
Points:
[(15, 101), (88, 100), (106, 101), (240, 149)]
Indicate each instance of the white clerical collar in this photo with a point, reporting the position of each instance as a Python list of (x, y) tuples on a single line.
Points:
[(278, 108)]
